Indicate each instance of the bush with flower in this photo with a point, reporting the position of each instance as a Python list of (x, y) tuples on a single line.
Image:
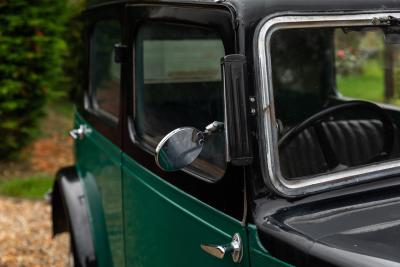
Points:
[(349, 61)]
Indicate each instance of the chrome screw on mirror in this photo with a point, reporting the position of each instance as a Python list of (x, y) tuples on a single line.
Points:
[(219, 251)]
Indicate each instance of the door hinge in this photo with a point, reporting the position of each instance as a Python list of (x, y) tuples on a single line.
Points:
[(253, 105)]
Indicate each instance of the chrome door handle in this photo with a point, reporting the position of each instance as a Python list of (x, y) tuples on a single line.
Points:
[(80, 133), (219, 251)]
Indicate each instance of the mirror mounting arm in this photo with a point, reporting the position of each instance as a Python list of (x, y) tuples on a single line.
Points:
[(212, 128), (215, 127)]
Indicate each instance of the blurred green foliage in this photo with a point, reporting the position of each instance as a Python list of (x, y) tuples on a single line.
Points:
[(73, 61), (34, 187), (35, 65)]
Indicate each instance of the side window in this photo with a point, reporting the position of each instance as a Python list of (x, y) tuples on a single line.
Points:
[(178, 83), (104, 72)]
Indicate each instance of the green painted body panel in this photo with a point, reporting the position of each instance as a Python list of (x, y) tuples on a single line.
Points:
[(98, 163), (164, 226), (161, 219), (97, 221), (258, 254)]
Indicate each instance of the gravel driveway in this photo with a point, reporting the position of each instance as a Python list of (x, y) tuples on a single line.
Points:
[(26, 236)]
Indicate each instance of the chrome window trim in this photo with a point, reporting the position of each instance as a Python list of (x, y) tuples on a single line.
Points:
[(268, 132)]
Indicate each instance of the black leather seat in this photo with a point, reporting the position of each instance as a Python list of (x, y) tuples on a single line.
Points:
[(353, 141)]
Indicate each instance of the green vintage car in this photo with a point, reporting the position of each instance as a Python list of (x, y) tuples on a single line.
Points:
[(236, 133)]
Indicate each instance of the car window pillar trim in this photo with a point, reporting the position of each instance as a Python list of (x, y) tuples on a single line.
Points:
[(268, 132)]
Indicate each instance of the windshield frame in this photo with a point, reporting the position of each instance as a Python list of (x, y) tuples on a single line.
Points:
[(268, 133)]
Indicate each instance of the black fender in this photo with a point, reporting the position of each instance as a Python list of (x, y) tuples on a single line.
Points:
[(70, 214)]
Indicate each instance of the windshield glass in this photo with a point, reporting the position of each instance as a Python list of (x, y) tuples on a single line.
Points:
[(316, 72)]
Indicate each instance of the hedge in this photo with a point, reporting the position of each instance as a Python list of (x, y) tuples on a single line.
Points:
[(74, 60), (31, 59)]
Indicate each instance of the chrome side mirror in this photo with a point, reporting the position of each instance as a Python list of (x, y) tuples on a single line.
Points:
[(181, 147)]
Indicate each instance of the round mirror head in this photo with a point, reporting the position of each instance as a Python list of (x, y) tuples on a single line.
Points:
[(179, 149)]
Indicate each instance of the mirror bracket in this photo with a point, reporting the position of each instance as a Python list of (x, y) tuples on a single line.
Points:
[(215, 127)]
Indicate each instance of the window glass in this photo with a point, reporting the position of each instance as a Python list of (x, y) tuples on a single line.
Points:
[(310, 68), (104, 72), (302, 64), (178, 83)]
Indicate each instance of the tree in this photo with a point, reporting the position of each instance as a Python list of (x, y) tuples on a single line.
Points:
[(31, 55)]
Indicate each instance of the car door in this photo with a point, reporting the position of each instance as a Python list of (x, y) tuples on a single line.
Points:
[(98, 151), (175, 81)]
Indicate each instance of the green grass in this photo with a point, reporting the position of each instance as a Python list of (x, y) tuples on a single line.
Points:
[(32, 188), (368, 85)]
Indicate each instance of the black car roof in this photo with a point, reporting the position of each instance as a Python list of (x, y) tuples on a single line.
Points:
[(252, 11), (266, 7)]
